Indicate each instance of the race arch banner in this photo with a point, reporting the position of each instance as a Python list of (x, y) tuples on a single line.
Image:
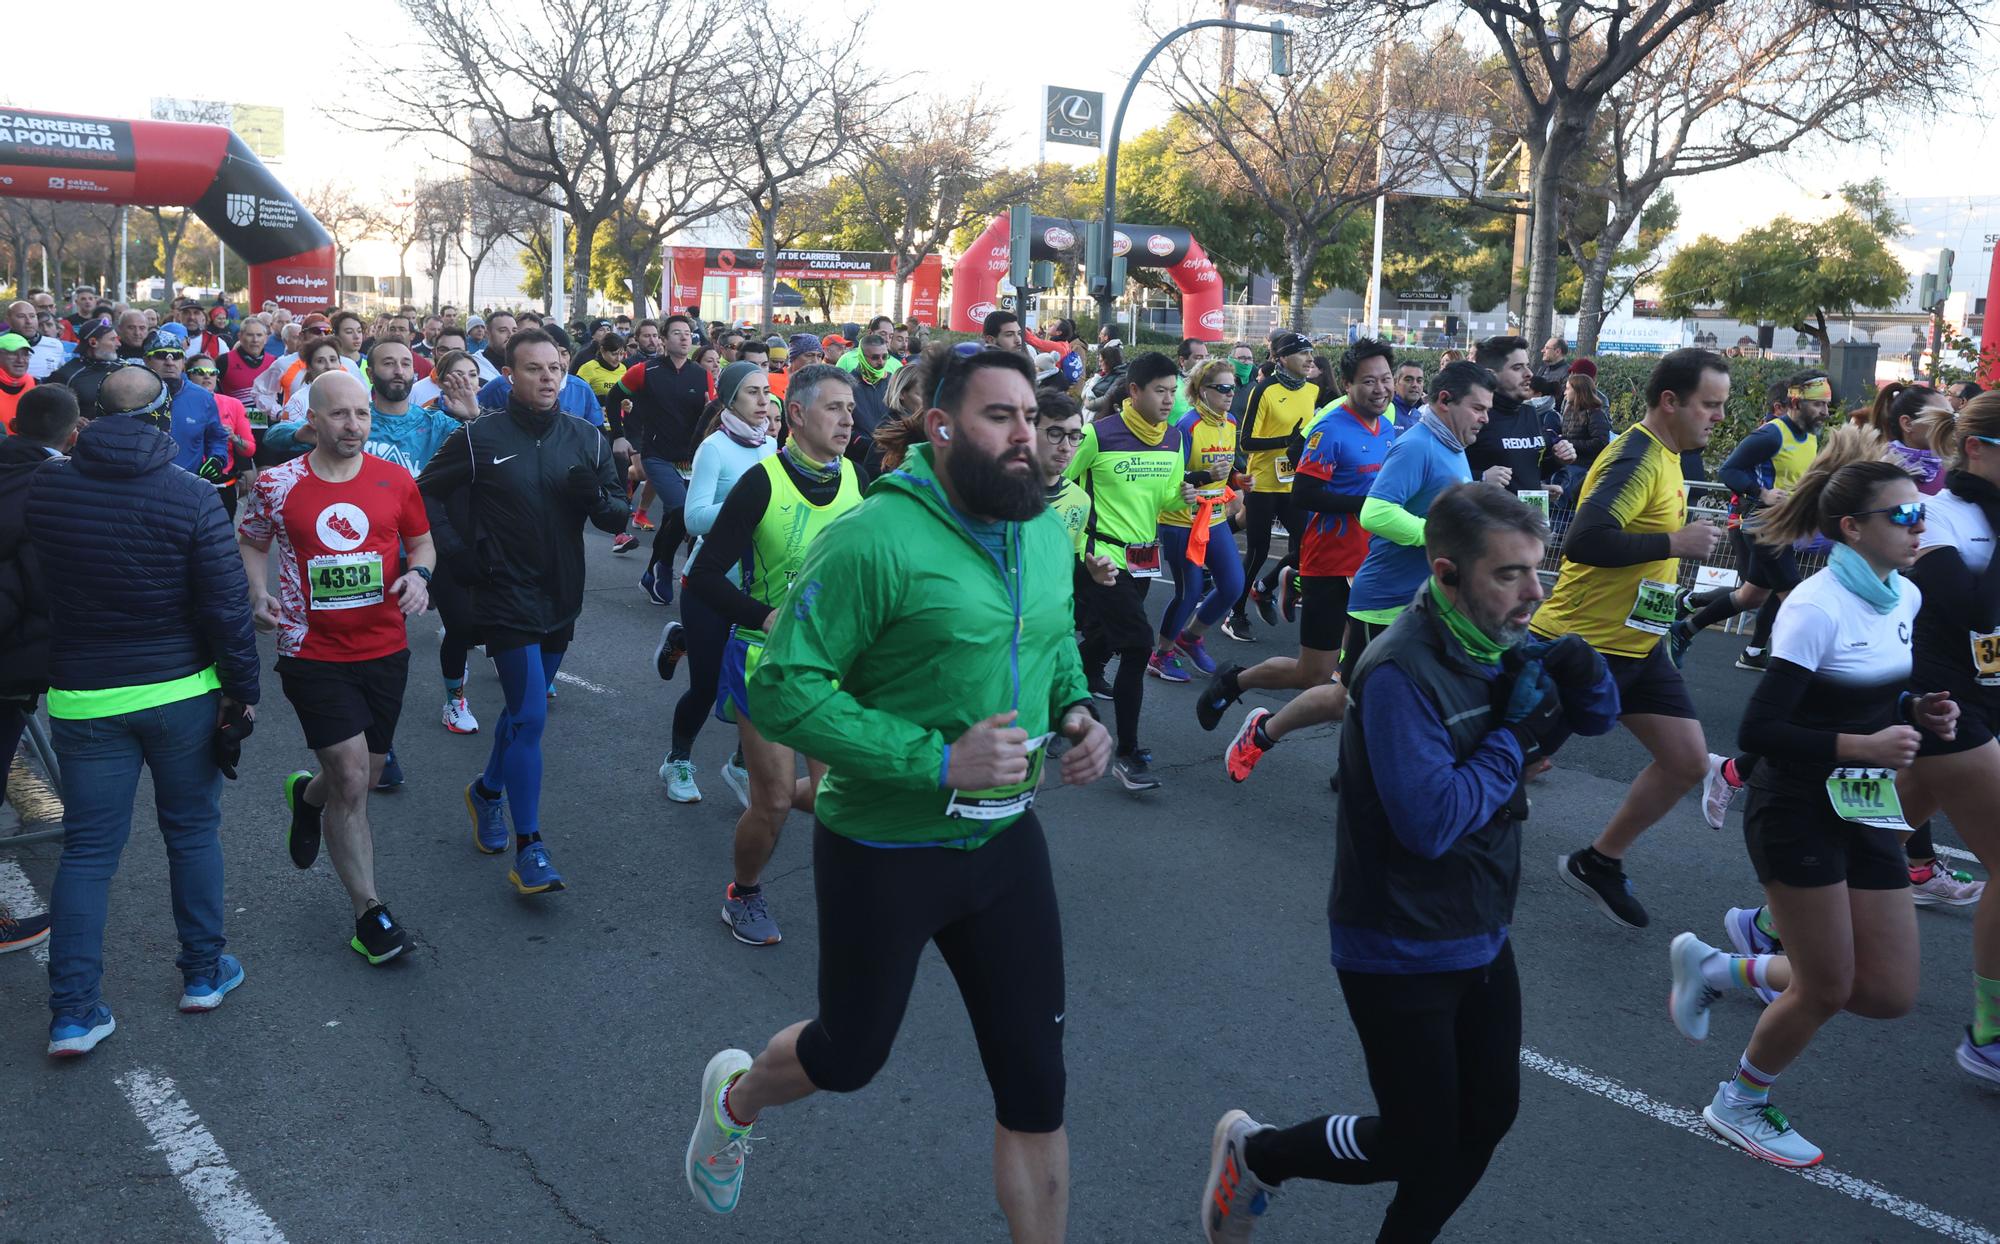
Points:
[(975, 279), (206, 168), (688, 265)]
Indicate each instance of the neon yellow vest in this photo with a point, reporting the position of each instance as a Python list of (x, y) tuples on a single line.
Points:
[(789, 526), (1795, 454)]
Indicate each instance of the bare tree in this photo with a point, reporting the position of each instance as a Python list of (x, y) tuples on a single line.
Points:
[(170, 239), (347, 219), (17, 232), (922, 178), (800, 108), (668, 198), (1313, 148), (439, 221), (492, 215), (572, 105)]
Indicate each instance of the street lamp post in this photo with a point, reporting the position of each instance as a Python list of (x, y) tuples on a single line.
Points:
[(1280, 64)]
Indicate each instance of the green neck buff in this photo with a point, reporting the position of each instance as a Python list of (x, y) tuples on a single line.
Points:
[(1478, 645)]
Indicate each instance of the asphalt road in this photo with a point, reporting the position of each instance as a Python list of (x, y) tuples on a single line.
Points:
[(530, 1073)]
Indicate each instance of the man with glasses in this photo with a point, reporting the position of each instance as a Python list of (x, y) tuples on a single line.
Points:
[(196, 424)]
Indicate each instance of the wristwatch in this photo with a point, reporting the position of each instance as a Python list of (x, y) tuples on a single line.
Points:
[(422, 572)]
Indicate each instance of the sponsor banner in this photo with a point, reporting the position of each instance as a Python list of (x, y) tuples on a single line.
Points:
[(687, 266), (40, 183), (52, 140), (1073, 116), (298, 283), (254, 213)]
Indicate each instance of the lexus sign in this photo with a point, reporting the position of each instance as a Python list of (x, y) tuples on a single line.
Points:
[(1070, 116)]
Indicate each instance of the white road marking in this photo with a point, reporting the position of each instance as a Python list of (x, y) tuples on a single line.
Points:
[(1953, 853), (20, 898), (198, 1162), (1691, 1121), (585, 683)]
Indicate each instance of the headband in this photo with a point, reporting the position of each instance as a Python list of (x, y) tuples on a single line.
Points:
[(1813, 391)]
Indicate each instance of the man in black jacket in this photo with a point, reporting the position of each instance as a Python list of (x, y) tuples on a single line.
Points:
[(1512, 446), (533, 475), (667, 395), (150, 652)]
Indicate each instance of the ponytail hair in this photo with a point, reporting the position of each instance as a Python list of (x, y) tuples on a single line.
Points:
[(1851, 468), (1978, 417), (1897, 401)]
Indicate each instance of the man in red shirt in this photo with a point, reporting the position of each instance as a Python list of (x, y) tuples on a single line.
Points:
[(342, 521)]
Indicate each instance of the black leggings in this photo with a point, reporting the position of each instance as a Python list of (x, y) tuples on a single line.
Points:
[(1260, 510), (1444, 1058), (454, 653), (991, 911), (707, 634)]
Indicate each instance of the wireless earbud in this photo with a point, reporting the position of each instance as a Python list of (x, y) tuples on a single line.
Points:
[(944, 434), (1449, 578)]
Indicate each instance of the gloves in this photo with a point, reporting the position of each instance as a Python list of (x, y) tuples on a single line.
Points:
[(210, 469), (1530, 703), (1573, 664), (580, 485)]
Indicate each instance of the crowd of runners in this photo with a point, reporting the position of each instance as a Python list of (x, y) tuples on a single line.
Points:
[(815, 510)]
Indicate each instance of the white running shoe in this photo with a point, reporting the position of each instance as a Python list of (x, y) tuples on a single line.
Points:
[(1953, 889), (1741, 925), (1979, 1060), (1716, 792), (717, 1150), (737, 778), (1691, 996), (458, 716), (679, 777), (1233, 1198), (1762, 1130)]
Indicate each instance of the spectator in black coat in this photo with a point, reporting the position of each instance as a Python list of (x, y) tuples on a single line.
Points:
[(151, 650)]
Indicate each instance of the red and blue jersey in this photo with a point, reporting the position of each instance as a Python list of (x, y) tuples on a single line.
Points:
[(1346, 453)]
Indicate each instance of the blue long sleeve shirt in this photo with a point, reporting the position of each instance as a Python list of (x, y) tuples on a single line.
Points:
[(197, 428)]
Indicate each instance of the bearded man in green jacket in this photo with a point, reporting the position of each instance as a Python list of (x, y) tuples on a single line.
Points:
[(925, 654)]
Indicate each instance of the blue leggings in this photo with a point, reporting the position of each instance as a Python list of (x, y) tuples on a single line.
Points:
[(515, 765), (1225, 567)]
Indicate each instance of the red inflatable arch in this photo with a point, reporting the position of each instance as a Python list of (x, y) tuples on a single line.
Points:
[(975, 279), (49, 155)]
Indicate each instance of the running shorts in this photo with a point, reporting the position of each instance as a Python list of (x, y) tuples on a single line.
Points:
[(732, 691), (1650, 685), (336, 700), (1764, 566), (500, 639), (991, 911), (1359, 635), (1978, 723), (1796, 840), (1322, 611)]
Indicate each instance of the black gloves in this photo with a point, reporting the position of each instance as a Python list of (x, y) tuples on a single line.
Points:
[(210, 469), (581, 486), (1573, 664), (1530, 702)]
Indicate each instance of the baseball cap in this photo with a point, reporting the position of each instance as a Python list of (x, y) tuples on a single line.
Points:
[(93, 330)]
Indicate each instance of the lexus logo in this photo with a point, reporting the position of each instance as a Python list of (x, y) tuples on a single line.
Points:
[(1076, 110)]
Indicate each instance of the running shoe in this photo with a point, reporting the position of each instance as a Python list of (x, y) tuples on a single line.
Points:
[(17, 933), (1266, 608), (392, 773), (1979, 1060), (302, 835), (1215, 699), (489, 819), (737, 779), (1679, 636), (1233, 1199), (1763, 1130), (749, 918), (1691, 996), (552, 689), (1196, 651), (76, 1034), (1756, 660), (1135, 772), (1605, 885), (668, 652), (458, 716), (641, 520), (1288, 596), (718, 1148), (1237, 627), (658, 590), (377, 937), (1100, 686), (679, 777), (1716, 792), (1953, 889), (533, 873), (1740, 923), (1243, 753), (1168, 667), (205, 992), (624, 542)]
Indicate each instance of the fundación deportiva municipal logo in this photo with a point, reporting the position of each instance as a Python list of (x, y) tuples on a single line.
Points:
[(241, 209)]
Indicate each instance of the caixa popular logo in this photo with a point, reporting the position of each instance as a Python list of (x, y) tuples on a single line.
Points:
[(1212, 319), (1160, 244), (1058, 238), (979, 310)]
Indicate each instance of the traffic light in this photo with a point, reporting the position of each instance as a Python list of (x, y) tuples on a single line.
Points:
[(1946, 256), (1020, 235), (1093, 264), (1281, 51), (1044, 274)]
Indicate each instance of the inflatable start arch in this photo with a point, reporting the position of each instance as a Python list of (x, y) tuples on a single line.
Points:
[(975, 279), (207, 168)]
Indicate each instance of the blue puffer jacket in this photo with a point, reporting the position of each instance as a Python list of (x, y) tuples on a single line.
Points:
[(144, 580)]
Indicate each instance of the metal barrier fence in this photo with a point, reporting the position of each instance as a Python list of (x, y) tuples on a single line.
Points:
[(1707, 502)]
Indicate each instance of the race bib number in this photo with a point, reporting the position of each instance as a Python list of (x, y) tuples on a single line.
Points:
[(1866, 797), (1142, 561), (1535, 499), (345, 580), (1986, 658), (1653, 608), (1285, 468), (1003, 801)]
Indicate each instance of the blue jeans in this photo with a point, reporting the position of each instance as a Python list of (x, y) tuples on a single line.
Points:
[(1225, 567), (101, 759), (672, 489)]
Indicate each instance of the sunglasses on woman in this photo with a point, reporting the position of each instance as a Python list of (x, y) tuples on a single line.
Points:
[(1908, 514), (1224, 389)]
